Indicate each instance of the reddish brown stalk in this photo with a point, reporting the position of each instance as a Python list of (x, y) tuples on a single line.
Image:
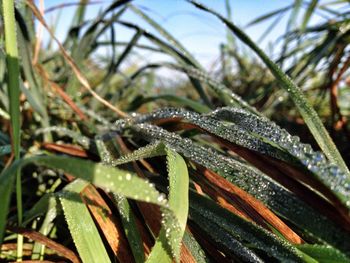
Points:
[(57, 89), (108, 224), (36, 236), (258, 206), (68, 100), (233, 207), (69, 149)]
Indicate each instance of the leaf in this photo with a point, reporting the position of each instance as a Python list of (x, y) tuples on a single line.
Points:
[(178, 198), (81, 225), (309, 11), (308, 113), (251, 180), (323, 253)]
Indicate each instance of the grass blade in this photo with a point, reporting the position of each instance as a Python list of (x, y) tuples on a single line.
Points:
[(81, 225), (309, 11)]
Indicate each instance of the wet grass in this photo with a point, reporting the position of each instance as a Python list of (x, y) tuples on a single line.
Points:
[(245, 163)]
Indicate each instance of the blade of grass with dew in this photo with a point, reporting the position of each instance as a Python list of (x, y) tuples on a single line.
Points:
[(265, 137), (126, 213), (81, 225), (183, 101), (277, 198), (308, 113), (224, 240), (113, 180), (130, 228), (196, 250), (178, 197)]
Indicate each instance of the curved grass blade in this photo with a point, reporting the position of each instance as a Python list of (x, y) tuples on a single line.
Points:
[(196, 106), (130, 228), (172, 40), (234, 134), (126, 213), (269, 15), (327, 173), (308, 113), (253, 181), (81, 225), (178, 196)]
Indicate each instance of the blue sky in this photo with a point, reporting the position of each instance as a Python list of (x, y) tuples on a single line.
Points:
[(200, 32)]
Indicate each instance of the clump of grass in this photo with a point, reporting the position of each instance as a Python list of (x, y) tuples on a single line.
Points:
[(132, 174)]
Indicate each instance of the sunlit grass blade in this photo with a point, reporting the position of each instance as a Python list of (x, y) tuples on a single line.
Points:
[(178, 198), (14, 93), (130, 228), (81, 225), (308, 113)]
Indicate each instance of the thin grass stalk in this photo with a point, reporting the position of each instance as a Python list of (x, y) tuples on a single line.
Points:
[(14, 93)]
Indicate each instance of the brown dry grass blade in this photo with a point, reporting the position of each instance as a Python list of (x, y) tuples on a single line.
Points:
[(69, 149), (36, 236), (108, 224), (79, 75), (258, 206), (60, 92)]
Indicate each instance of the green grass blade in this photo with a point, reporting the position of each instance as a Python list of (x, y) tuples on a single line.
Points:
[(309, 11), (14, 93), (81, 225), (323, 253), (183, 101), (130, 228), (178, 199), (308, 113), (172, 40), (13, 71), (126, 213), (268, 15)]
